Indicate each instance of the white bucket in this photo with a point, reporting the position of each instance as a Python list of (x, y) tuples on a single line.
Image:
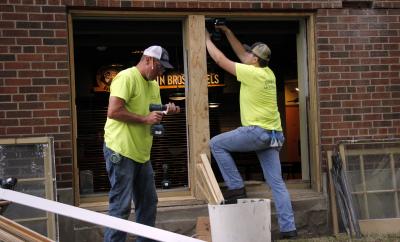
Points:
[(247, 221)]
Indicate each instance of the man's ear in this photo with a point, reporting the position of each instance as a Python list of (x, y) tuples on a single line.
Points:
[(255, 59)]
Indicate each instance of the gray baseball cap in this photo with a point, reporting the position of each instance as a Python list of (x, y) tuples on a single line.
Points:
[(260, 50)]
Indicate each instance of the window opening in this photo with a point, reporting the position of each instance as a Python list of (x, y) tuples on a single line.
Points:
[(102, 48), (281, 37)]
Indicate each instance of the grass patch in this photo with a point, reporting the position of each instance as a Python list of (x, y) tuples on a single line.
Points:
[(345, 238)]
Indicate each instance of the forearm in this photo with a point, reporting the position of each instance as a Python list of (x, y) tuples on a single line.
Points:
[(214, 52), (123, 115), (220, 58), (235, 43)]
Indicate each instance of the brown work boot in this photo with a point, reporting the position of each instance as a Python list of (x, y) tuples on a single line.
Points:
[(232, 195)]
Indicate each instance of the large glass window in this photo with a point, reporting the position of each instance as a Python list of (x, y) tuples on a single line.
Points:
[(102, 48)]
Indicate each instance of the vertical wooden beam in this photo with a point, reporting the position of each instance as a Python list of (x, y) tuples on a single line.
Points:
[(314, 123), (196, 93), (75, 180)]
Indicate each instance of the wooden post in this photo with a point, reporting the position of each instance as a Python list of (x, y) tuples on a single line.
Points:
[(196, 93)]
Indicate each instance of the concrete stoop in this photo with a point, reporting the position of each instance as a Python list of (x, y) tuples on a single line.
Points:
[(311, 216)]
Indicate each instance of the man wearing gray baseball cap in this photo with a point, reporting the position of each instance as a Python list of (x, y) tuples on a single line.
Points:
[(128, 140), (261, 129)]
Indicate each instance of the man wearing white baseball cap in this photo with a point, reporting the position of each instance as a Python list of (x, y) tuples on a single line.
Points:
[(128, 140)]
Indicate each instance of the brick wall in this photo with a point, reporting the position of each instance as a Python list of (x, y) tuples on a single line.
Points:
[(358, 74), (357, 55), (34, 77)]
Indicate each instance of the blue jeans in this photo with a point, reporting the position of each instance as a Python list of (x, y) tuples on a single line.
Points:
[(254, 138), (129, 181)]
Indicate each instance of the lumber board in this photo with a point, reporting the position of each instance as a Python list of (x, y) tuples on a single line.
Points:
[(6, 236), (207, 181), (335, 222), (203, 230), (14, 229), (203, 185)]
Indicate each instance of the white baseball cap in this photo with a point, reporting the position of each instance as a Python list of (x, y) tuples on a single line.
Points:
[(160, 54)]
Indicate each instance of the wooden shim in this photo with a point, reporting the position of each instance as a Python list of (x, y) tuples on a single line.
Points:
[(14, 229), (211, 177), (335, 222), (204, 185), (205, 171)]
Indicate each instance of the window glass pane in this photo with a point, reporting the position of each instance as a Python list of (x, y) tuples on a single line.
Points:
[(381, 205), (378, 179), (355, 180), (360, 209), (22, 161), (397, 170), (39, 226), (370, 168)]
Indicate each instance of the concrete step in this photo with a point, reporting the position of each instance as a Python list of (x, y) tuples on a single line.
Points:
[(310, 208)]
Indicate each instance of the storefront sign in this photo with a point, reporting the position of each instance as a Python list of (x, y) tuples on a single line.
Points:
[(106, 75), (178, 80)]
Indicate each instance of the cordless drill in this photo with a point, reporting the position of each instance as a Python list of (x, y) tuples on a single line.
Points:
[(216, 34), (157, 129)]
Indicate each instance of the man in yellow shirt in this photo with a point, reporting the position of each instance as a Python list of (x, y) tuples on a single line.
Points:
[(261, 129), (128, 140)]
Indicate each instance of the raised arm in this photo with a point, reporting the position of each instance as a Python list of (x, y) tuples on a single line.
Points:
[(219, 57), (236, 45)]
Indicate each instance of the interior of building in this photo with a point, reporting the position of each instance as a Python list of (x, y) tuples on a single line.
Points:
[(103, 47)]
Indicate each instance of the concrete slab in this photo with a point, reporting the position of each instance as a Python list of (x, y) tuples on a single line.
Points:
[(311, 215)]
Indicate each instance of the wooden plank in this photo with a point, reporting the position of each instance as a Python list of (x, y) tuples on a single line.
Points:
[(5, 236), (313, 108), (380, 226), (211, 178), (196, 87), (207, 183), (20, 231), (335, 223), (74, 110), (204, 185), (203, 230)]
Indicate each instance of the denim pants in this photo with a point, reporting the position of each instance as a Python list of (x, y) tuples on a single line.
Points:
[(254, 138), (129, 181)]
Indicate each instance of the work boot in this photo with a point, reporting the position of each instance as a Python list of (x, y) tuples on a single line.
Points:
[(289, 234), (232, 195)]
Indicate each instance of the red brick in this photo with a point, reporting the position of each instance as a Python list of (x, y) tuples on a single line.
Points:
[(32, 122), (45, 113), (22, 130)]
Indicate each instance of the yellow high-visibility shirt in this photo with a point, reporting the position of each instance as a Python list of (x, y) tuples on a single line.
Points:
[(132, 140), (258, 98)]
